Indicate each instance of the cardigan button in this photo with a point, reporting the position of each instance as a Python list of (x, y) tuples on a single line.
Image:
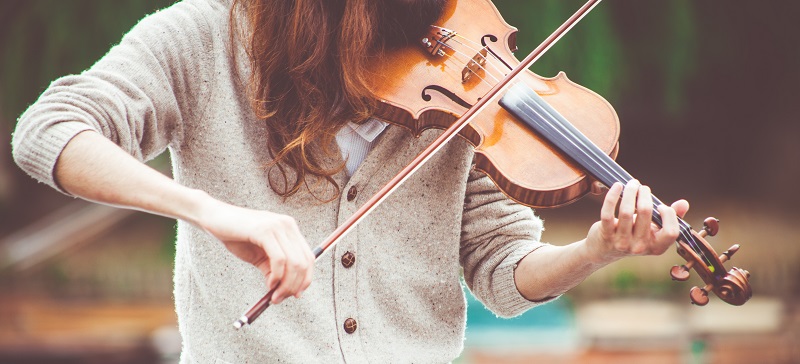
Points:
[(350, 326), (351, 193), (348, 259)]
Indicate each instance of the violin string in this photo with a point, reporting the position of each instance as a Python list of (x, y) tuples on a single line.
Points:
[(602, 162), (456, 36), (609, 169), (496, 79), (443, 44), (484, 58), (488, 61), (503, 64), (477, 51), (471, 60), (620, 176), (499, 69)]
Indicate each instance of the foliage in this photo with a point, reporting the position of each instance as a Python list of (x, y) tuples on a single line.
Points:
[(41, 40), (44, 39), (593, 53)]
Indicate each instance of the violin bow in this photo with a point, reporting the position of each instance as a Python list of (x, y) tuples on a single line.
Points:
[(258, 308)]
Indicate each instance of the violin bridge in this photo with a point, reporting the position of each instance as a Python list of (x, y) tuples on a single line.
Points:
[(475, 66)]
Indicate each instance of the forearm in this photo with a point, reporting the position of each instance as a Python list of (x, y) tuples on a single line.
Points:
[(552, 270), (94, 168)]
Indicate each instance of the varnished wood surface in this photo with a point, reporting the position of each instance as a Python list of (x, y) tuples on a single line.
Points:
[(522, 164)]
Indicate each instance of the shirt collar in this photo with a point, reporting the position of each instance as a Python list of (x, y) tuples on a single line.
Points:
[(370, 129)]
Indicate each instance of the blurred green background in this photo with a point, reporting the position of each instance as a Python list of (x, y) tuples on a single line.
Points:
[(707, 95)]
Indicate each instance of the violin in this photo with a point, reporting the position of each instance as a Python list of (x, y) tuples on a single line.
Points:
[(545, 142)]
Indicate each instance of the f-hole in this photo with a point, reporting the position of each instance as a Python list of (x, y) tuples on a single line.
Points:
[(447, 93), (493, 39)]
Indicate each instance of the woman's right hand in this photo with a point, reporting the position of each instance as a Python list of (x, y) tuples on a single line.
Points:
[(271, 242)]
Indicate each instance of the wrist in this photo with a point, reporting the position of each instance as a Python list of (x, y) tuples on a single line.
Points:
[(198, 206), (599, 254)]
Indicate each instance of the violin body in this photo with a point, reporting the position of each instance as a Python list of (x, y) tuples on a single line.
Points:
[(420, 89)]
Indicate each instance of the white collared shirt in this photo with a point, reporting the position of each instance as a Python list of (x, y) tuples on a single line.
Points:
[(355, 141)]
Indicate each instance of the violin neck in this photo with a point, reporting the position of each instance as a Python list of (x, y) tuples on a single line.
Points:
[(530, 108)]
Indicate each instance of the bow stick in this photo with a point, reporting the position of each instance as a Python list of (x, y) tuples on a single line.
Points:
[(258, 308)]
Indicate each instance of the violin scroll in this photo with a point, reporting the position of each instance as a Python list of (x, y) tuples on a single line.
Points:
[(732, 287)]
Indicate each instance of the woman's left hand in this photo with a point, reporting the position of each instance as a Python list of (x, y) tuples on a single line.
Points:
[(631, 231)]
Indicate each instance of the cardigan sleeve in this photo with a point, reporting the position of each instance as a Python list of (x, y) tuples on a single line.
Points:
[(137, 95), (496, 234)]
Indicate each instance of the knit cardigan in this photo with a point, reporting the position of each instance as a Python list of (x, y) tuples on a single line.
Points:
[(172, 84)]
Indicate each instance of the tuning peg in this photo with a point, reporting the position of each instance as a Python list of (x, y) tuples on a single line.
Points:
[(728, 254), (710, 227), (699, 296), (681, 272)]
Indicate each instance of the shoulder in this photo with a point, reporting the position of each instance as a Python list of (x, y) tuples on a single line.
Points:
[(187, 16), (182, 40)]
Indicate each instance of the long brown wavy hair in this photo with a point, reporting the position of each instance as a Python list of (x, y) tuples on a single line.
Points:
[(309, 73)]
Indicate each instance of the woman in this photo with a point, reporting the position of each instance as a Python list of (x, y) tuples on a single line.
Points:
[(265, 108)]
